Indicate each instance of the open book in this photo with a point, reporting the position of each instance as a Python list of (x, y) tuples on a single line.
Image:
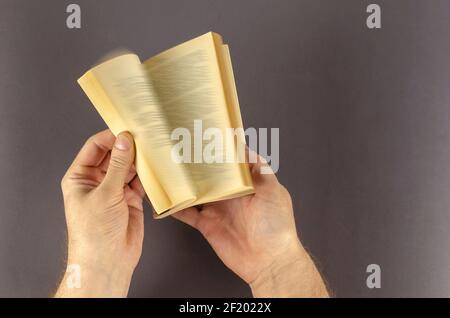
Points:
[(189, 86)]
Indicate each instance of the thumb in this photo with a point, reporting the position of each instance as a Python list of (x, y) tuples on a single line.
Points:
[(122, 157)]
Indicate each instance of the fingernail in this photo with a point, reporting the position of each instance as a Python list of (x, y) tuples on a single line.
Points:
[(122, 143)]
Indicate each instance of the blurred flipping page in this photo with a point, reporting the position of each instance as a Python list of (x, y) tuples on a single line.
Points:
[(165, 103)]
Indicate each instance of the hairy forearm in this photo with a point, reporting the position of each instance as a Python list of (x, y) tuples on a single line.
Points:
[(293, 275)]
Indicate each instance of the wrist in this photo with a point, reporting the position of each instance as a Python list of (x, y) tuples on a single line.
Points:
[(291, 274), (88, 278)]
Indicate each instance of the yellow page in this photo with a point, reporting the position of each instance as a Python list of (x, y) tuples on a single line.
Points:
[(125, 98), (233, 105), (190, 85)]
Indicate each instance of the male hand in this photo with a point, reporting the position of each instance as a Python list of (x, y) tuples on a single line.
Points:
[(255, 236), (104, 215)]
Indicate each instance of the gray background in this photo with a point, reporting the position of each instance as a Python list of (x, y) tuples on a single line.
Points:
[(363, 116)]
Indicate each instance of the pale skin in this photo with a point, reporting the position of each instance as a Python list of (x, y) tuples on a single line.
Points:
[(255, 236)]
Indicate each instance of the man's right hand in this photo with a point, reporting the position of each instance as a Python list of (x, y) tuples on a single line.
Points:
[(255, 236)]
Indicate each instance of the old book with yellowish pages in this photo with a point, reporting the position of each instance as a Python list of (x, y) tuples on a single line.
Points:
[(190, 86)]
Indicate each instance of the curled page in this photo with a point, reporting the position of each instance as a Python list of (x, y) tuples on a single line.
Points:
[(124, 97)]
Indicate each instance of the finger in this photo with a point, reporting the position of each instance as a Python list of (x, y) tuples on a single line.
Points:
[(95, 149), (262, 174), (122, 157), (137, 186), (133, 199), (135, 229), (103, 168), (251, 157), (190, 216), (131, 175)]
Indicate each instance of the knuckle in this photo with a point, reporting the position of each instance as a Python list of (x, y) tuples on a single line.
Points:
[(118, 162), (90, 140), (64, 183), (285, 193)]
